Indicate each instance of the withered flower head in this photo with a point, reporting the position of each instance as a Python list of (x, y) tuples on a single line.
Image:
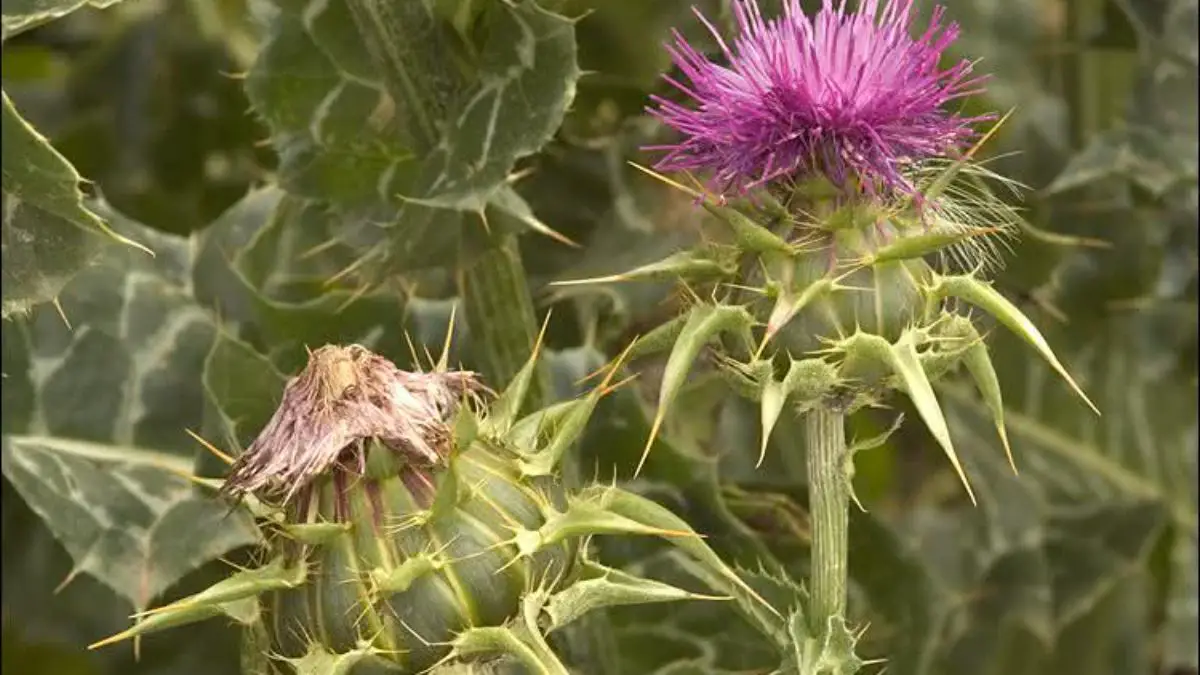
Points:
[(343, 399)]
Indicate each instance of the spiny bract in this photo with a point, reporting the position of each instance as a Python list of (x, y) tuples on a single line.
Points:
[(858, 225), (408, 526)]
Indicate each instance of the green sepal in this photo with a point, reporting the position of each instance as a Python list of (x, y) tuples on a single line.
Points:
[(521, 639), (910, 246), (235, 597), (602, 586), (505, 411), (659, 339), (828, 652), (749, 235), (987, 298), (704, 322), (318, 661), (807, 380), (788, 304), (904, 362), (706, 263), (529, 431), (401, 578), (979, 365), (314, 534), (566, 429)]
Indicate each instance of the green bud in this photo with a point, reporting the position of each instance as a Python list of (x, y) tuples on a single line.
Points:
[(442, 535)]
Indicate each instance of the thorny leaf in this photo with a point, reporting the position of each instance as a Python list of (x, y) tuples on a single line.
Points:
[(49, 233), (21, 15), (402, 141), (102, 454)]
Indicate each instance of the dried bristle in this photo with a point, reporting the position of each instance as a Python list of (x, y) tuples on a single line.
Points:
[(968, 204), (345, 397)]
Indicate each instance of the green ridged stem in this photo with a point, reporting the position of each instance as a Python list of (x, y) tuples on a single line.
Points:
[(499, 311), (829, 505)]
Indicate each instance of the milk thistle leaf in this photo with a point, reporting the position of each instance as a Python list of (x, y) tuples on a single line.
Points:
[(848, 95)]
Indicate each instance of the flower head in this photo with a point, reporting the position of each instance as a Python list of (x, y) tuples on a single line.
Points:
[(848, 95), (345, 398)]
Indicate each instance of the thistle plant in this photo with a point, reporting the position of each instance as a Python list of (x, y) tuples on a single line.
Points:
[(859, 230), (410, 526)]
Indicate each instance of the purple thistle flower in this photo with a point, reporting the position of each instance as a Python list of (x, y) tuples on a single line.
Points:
[(845, 95)]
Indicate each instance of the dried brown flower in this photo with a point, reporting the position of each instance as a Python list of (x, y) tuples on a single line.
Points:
[(345, 397)]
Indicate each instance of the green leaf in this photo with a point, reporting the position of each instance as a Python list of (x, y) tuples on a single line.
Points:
[(63, 621), (410, 52), (49, 234), (267, 263), (403, 141), (526, 80), (1143, 156), (20, 15), (122, 513), (319, 661), (102, 455), (242, 390), (1135, 462)]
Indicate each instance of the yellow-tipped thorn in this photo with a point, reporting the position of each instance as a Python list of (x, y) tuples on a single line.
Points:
[(762, 451), (61, 314), (658, 421), (346, 271), (354, 297), (66, 580), (541, 336), (210, 447), (547, 231), (443, 362), (616, 366), (113, 639), (990, 132), (1007, 448), (412, 350), (675, 184), (610, 279), (606, 390), (319, 248)]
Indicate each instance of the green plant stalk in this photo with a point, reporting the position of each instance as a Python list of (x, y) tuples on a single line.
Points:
[(499, 312), (829, 503)]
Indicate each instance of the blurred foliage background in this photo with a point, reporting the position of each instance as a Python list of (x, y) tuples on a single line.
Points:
[(1086, 563)]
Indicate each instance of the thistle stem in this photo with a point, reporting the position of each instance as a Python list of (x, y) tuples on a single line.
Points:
[(500, 315), (829, 504)]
